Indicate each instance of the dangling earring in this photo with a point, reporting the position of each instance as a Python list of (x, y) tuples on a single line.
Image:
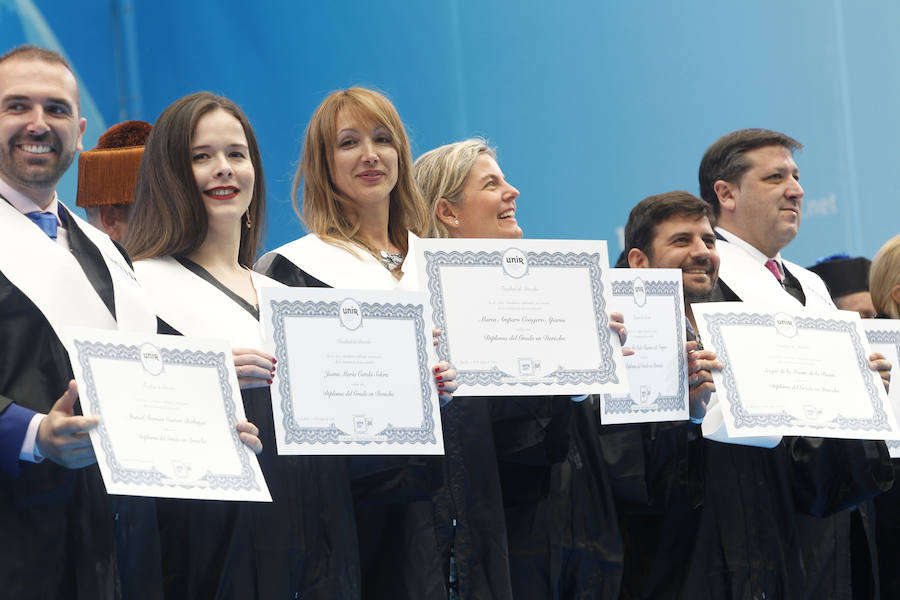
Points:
[(247, 216), (456, 221)]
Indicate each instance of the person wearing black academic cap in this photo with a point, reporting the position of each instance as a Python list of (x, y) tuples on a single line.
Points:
[(848, 282)]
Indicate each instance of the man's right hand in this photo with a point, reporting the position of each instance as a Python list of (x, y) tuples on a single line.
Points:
[(700, 380), (63, 436)]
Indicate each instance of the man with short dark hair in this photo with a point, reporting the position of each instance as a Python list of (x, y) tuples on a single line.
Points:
[(775, 521), (61, 531), (657, 467), (675, 230)]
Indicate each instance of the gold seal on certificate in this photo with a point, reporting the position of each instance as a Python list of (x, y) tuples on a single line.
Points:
[(522, 317), (168, 407)]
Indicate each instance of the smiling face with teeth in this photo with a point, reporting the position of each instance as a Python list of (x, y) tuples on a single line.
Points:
[(487, 208), (683, 242), (222, 167), (40, 125)]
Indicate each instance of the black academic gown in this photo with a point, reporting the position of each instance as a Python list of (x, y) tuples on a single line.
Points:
[(568, 544), (392, 497), (887, 529), (468, 507), (301, 545), (657, 477), (63, 536), (499, 454), (883, 517), (775, 521)]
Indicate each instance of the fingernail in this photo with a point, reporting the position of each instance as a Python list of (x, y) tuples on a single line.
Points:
[(441, 384), (438, 378), (437, 369), (270, 382), (274, 360)]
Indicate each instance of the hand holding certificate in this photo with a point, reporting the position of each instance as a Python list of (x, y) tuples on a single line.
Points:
[(168, 408), (794, 373), (354, 372), (884, 337), (652, 302), (522, 317)]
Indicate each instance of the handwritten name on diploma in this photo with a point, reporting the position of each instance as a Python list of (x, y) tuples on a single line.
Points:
[(363, 373), (527, 322), (524, 319)]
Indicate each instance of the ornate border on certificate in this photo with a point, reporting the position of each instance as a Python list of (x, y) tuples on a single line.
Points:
[(742, 418), (606, 371), (391, 434), (245, 480), (624, 404), (892, 338)]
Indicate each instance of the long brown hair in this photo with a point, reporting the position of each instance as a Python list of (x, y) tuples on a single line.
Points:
[(169, 216), (321, 206)]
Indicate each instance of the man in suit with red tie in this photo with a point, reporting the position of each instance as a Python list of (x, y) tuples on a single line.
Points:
[(775, 518), (63, 537)]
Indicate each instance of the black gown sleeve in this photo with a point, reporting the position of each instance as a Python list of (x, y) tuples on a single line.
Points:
[(654, 466), (829, 475)]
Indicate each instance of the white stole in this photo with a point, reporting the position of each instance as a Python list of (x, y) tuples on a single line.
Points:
[(753, 282), (54, 281), (338, 267), (196, 307)]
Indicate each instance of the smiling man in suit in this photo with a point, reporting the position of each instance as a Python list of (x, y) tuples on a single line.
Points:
[(63, 536), (775, 521)]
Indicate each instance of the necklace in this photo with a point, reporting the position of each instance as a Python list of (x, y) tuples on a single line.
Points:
[(390, 261)]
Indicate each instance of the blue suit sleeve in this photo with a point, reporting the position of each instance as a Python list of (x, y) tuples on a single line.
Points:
[(13, 425)]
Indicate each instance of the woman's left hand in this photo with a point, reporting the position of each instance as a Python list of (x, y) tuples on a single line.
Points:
[(877, 362), (617, 324), (254, 368), (249, 434), (445, 378)]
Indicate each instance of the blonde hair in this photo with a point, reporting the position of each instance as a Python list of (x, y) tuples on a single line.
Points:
[(322, 210), (442, 173), (884, 274)]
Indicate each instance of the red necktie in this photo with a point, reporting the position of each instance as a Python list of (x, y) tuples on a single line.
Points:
[(773, 267)]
